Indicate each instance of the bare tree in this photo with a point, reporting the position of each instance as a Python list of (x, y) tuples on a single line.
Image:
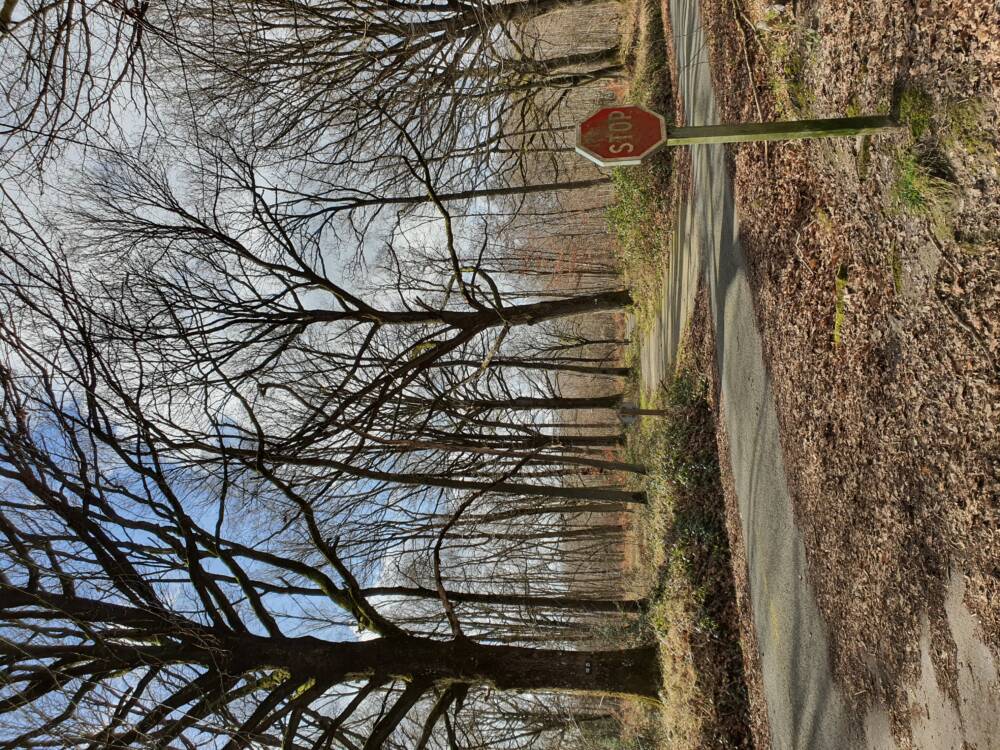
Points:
[(69, 71), (142, 606), (300, 67), (293, 379)]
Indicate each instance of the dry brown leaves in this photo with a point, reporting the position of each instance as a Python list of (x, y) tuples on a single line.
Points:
[(891, 438)]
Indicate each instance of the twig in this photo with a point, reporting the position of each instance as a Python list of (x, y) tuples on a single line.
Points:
[(746, 59), (958, 319), (449, 609)]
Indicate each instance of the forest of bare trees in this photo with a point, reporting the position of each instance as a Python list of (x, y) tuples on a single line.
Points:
[(311, 370)]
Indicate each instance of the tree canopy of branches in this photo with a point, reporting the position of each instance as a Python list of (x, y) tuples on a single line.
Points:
[(139, 605), (287, 452), (313, 68), (64, 68)]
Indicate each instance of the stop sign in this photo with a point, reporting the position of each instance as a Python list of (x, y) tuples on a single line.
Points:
[(620, 136)]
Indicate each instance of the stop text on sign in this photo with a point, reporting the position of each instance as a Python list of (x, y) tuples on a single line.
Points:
[(620, 136), (620, 133)]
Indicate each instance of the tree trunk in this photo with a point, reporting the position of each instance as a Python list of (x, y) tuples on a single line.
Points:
[(633, 671), (620, 372), (606, 56), (570, 441), (624, 672), (528, 364), (563, 308), (523, 403), (580, 604), (609, 494), (461, 195), (6, 14), (468, 320)]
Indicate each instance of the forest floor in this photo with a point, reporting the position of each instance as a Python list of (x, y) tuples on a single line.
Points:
[(874, 267)]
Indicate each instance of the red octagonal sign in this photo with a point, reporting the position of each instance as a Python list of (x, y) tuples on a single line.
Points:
[(620, 136)]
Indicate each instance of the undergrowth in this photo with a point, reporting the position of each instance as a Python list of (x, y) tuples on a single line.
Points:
[(642, 232), (641, 217), (925, 185), (790, 48), (686, 568)]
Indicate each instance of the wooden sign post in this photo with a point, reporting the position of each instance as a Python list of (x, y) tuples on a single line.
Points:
[(625, 135)]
